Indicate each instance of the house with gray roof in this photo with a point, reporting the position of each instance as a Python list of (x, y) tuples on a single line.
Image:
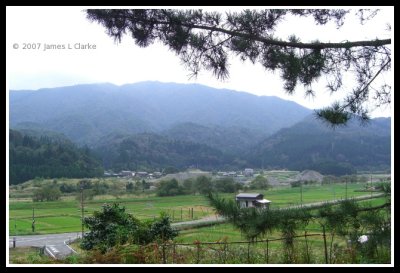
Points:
[(250, 200)]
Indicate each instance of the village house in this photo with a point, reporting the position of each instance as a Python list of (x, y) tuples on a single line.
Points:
[(249, 200), (248, 172)]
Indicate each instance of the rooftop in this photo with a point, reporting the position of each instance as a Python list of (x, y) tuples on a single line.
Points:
[(249, 195)]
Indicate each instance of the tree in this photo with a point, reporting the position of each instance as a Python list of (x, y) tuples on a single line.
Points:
[(162, 230), (260, 182), (129, 187), (227, 185), (188, 186), (108, 227), (169, 188), (114, 226), (170, 170), (46, 193), (87, 195), (145, 185), (203, 40), (203, 184), (85, 184)]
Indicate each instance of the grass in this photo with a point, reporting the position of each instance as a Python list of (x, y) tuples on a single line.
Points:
[(27, 255), (64, 216)]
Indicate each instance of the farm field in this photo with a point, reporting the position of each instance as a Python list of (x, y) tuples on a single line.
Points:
[(65, 215)]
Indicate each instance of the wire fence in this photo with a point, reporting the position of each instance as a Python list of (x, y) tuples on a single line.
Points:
[(307, 248)]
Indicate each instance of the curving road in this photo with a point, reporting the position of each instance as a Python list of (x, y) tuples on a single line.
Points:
[(56, 245)]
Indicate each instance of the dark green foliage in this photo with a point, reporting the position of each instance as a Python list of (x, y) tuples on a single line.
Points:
[(230, 140), (31, 157), (100, 188), (151, 151), (85, 184), (169, 188), (161, 229), (311, 145), (227, 185), (108, 227), (129, 187), (333, 115), (170, 169), (188, 186), (114, 226), (348, 220), (88, 194), (67, 188), (205, 40), (145, 185), (46, 193), (260, 182), (203, 184)]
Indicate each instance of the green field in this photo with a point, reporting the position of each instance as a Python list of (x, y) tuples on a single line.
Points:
[(64, 216)]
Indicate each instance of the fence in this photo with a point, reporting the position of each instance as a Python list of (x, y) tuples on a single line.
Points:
[(266, 251)]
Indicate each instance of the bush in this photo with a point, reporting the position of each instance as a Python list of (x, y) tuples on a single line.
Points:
[(87, 195), (108, 227), (169, 188), (227, 185), (46, 193), (67, 188), (260, 182), (114, 226)]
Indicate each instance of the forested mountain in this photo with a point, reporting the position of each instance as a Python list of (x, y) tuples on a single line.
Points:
[(310, 144), (86, 113), (153, 125), (232, 140), (32, 157), (148, 151)]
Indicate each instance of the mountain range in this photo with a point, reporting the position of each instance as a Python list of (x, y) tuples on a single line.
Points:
[(151, 125), (86, 113)]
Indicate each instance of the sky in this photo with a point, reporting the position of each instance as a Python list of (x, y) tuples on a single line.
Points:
[(124, 62)]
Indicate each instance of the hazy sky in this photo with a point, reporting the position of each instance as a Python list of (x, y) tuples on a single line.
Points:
[(127, 63)]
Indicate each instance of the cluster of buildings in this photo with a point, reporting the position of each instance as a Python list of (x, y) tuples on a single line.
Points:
[(131, 174), (246, 173)]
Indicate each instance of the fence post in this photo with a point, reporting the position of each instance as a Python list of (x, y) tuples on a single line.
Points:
[(198, 253), (326, 250), (267, 250), (163, 253), (192, 213), (225, 257), (248, 252), (14, 241), (308, 255), (181, 214), (174, 252)]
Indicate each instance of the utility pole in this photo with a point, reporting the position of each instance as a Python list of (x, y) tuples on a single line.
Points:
[(82, 207), (370, 184), (301, 193), (33, 219), (15, 233)]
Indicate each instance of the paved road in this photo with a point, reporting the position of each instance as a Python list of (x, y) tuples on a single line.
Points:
[(320, 204), (200, 222), (56, 244)]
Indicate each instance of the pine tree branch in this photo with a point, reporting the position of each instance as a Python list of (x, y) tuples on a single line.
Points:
[(266, 41)]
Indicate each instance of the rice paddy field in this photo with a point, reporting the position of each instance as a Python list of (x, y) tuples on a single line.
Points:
[(65, 215)]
